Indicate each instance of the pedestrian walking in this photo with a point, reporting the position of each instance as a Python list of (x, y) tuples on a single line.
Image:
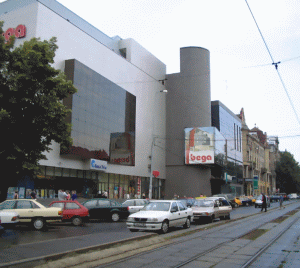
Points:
[(33, 194), (264, 203), (280, 201)]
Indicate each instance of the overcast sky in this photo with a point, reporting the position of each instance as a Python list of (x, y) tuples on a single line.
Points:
[(242, 74)]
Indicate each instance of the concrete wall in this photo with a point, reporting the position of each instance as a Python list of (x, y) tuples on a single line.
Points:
[(188, 105)]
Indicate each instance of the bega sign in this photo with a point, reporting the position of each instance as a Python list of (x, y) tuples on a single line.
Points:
[(18, 32), (201, 157)]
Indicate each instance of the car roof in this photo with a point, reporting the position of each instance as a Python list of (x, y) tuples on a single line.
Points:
[(215, 198)]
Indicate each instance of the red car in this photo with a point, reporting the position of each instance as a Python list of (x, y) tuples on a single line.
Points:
[(73, 211)]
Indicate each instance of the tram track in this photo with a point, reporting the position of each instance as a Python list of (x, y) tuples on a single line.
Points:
[(210, 230)]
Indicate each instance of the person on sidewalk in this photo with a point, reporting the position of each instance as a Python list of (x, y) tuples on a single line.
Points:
[(264, 203), (62, 195), (280, 201)]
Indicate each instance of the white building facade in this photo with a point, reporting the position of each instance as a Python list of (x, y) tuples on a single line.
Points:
[(118, 110)]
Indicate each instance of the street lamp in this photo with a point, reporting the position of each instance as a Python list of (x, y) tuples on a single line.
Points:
[(152, 147)]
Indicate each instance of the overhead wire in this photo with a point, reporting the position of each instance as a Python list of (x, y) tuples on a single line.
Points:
[(275, 64)]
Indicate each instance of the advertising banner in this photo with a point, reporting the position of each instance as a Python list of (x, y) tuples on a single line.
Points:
[(199, 146)]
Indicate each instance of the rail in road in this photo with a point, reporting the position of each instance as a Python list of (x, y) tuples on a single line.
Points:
[(194, 235), (219, 246)]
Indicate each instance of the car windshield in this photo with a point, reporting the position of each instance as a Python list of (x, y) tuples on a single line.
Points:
[(157, 206), (203, 203)]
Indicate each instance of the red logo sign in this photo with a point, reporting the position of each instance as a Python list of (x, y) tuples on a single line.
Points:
[(202, 158), (19, 32)]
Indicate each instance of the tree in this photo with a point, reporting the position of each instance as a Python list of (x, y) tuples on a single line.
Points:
[(287, 173), (32, 114)]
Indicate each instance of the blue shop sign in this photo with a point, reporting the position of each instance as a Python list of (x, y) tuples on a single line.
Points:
[(98, 165)]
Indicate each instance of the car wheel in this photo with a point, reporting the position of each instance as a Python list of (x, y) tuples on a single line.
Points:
[(211, 218), (187, 223), (76, 221), (38, 224), (115, 217), (227, 217), (255, 206), (134, 230), (222, 217), (164, 227)]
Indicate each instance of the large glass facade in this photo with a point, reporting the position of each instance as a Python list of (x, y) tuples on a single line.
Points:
[(103, 117)]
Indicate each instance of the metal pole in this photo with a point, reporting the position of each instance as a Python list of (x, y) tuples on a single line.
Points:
[(151, 169)]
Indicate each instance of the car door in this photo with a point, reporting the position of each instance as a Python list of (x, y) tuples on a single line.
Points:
[(104, 209), (25, 209), (225, 207), (183, 213), (71, 210), (91, 205), (174, 219), (217, 212)]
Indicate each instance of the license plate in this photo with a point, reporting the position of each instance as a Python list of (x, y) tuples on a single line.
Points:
[(139, 224)]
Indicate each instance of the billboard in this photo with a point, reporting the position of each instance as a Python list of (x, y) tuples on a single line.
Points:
[(199, 145), (122, 148)]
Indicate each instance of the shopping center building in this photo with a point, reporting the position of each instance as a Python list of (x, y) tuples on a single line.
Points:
[(119, 108)]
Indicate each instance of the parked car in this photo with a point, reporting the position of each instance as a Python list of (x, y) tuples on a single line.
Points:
[(246, 201), (102, 208), (258, 201), (293, 196), (160, 215), (224, 206), (276, 197), (9, 218), (1, 227), (230, 198), (32, 212), (73, 211), (135, 205), (238, 201), (207, 210)]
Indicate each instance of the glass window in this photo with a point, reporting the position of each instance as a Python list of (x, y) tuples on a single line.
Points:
[(104, 203), (7, 205), (57, 205), (91, 203), (174, 206), (181, 206), (23, 204), (140, 202), (72, 206), (128, 203)]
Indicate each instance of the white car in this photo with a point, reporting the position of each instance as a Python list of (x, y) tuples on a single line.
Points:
[(32, 212), (9, 218), (210, 209), (160, 215), (258, 201), (135, 205)]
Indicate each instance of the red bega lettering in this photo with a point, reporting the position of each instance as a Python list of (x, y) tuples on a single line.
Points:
[(19, 32), (199, 158)]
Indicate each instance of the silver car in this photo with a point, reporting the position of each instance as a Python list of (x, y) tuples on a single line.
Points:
[(211, 208), (135, 205)]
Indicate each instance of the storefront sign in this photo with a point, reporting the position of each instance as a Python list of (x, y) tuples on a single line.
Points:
[(18, 32), (98, 164), (201, 157)]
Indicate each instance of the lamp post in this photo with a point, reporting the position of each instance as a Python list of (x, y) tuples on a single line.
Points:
[(152, 147)]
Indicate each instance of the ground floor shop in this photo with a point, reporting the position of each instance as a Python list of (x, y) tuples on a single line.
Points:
[(87, 183)]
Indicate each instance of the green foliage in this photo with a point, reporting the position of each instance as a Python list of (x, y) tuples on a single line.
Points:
[(32, 114), (288, 173)]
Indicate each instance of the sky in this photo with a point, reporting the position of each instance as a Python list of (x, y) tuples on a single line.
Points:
[(242, 74)]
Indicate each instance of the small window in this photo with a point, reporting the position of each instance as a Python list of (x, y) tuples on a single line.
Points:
[(8, 205), (128, 203), (91, 203), (57, 205), (181, 206), (140, 202), (72, 206), (174, 206), (104, 203), (34, 205), (23, 204)]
